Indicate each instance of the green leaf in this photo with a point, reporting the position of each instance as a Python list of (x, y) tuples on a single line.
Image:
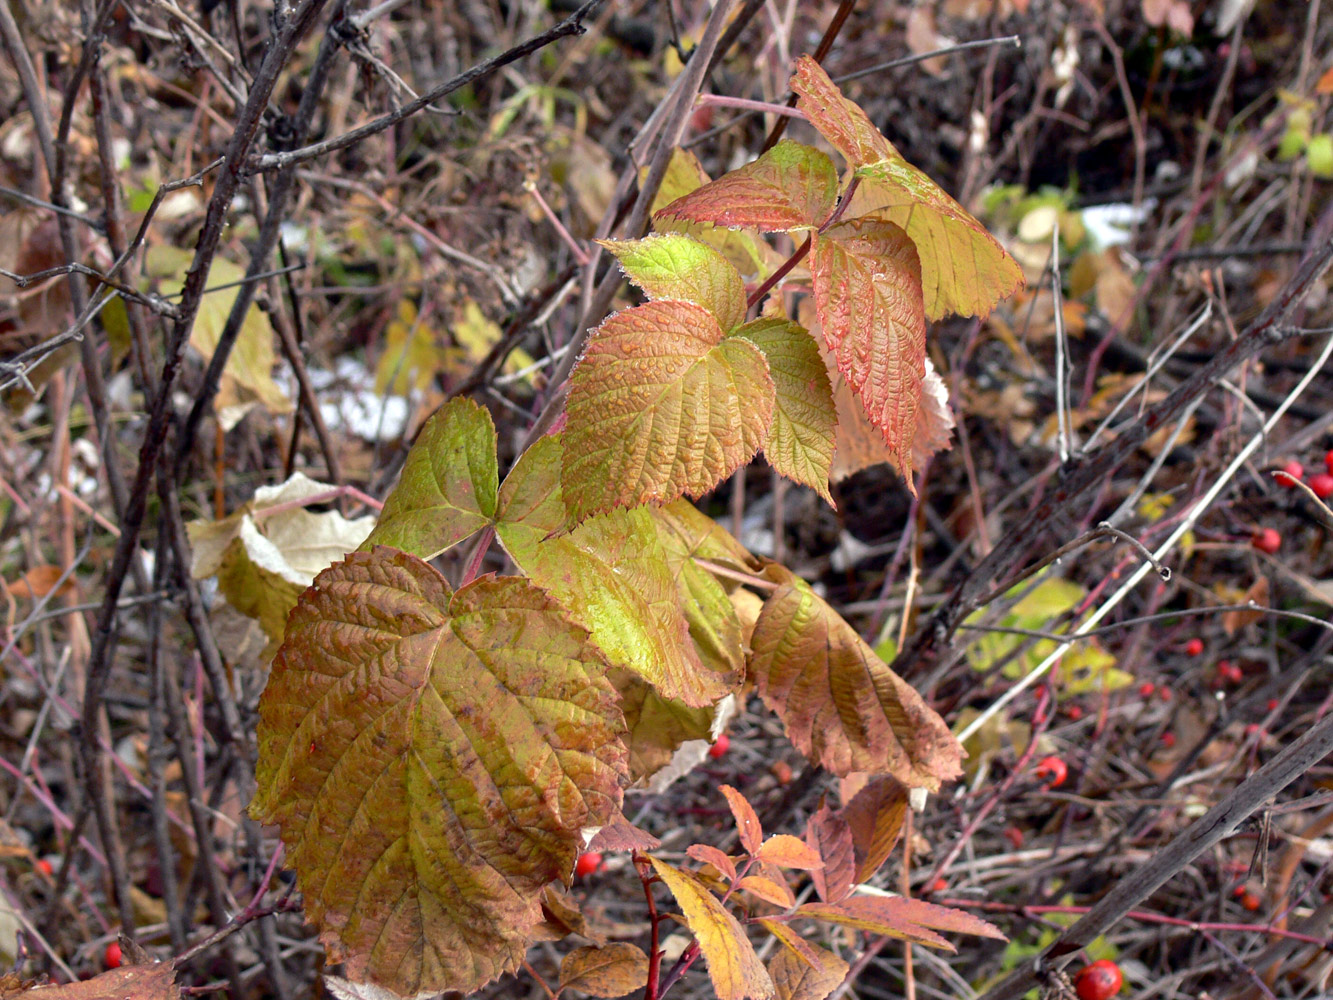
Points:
[(733, 965), (673, 266), (448, 486), (964, 269), (612, 575), (800, 441), (841, 705), (431, 757), (660, 405), (749, 254), (790, 187), (868, 296), (656, 726)]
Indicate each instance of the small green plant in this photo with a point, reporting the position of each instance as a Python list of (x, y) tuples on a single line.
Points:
[(437, 756)]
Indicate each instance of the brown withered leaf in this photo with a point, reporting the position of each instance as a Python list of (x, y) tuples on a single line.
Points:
[(796, 979), (611, 970), (875, 817), (142, 982), (828, 833), (1256, 593), (622, 835), (898, 917)]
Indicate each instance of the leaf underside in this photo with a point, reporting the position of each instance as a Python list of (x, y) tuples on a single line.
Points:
[(840, 703), (661, 405), (431, 757)]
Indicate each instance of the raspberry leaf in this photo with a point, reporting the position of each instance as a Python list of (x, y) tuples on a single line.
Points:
[(672, 266)]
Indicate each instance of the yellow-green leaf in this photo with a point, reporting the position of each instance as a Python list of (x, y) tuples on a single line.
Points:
[(800, 442), (733, 965), (448, 486), (795, 979), (661, 405), (790, 187), (840, 703), (656, 726), (964, 269), (611, 970), (612, 575), (431, 757), (673, 266), (868, 295)]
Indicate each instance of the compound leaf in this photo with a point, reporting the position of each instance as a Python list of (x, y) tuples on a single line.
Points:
[(612, 575), (448, 486), (790, 187), (964, 268), (673, 266), (800, 441), (431, 757), (611, 970), (661, 405), (867, 282), (840, 703), (733, 965), (796, 979)]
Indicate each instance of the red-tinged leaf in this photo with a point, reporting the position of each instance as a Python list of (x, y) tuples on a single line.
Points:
[(840, 703), (868, 295), (747, 821), (611, 970), (448, 486), (797, 945), (790, 187), (964, 269), (142, 982), (898, 917), (709, 855), (661, 405), (431, 757), (673, 266), (733, 965), (622, 835), (611, 574), (842, 122), (786, 851), (747, 252), (828, 834), (800, 441), (875, 817), (688, 533), (795, 979), (769, 890)]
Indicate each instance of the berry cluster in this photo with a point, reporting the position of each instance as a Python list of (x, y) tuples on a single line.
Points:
[(1321, 484)]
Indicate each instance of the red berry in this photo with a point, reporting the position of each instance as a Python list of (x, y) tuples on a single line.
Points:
[(1272, 704), (1229, 673), (1164, 693), (1239, 890), (1322, 485), (588, 863), (1266, 540), (1289, 474), (1099, 981), (111, 957), (1053, 771), (44, 866), (1194, 647), (782, 771), (938, 886), (1254, 731), (1168, 739), (720, 747), (1251, 901), (1147, 688), (1075, 712), (1014, 835), (1328, 461)]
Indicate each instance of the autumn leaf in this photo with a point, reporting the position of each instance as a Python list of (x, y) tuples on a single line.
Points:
[(867, 282), (661, 405), (747, 822), (795, 979), (710, 855), (448, 487), (156, 981), (898, 917), (688, 533), (790, 187), (431, 757), (828, 834), (875, 817), (800, 440), (769, 890), (622, 835), (749, 254), (963, 267), (841, 705), (786, 851), (672, 266), (612, 575), (801, 949), (733, 965), (611, 970), (656, 726)]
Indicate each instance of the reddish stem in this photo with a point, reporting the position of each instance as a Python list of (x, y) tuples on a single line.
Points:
[(650, 990), (478, 554)]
